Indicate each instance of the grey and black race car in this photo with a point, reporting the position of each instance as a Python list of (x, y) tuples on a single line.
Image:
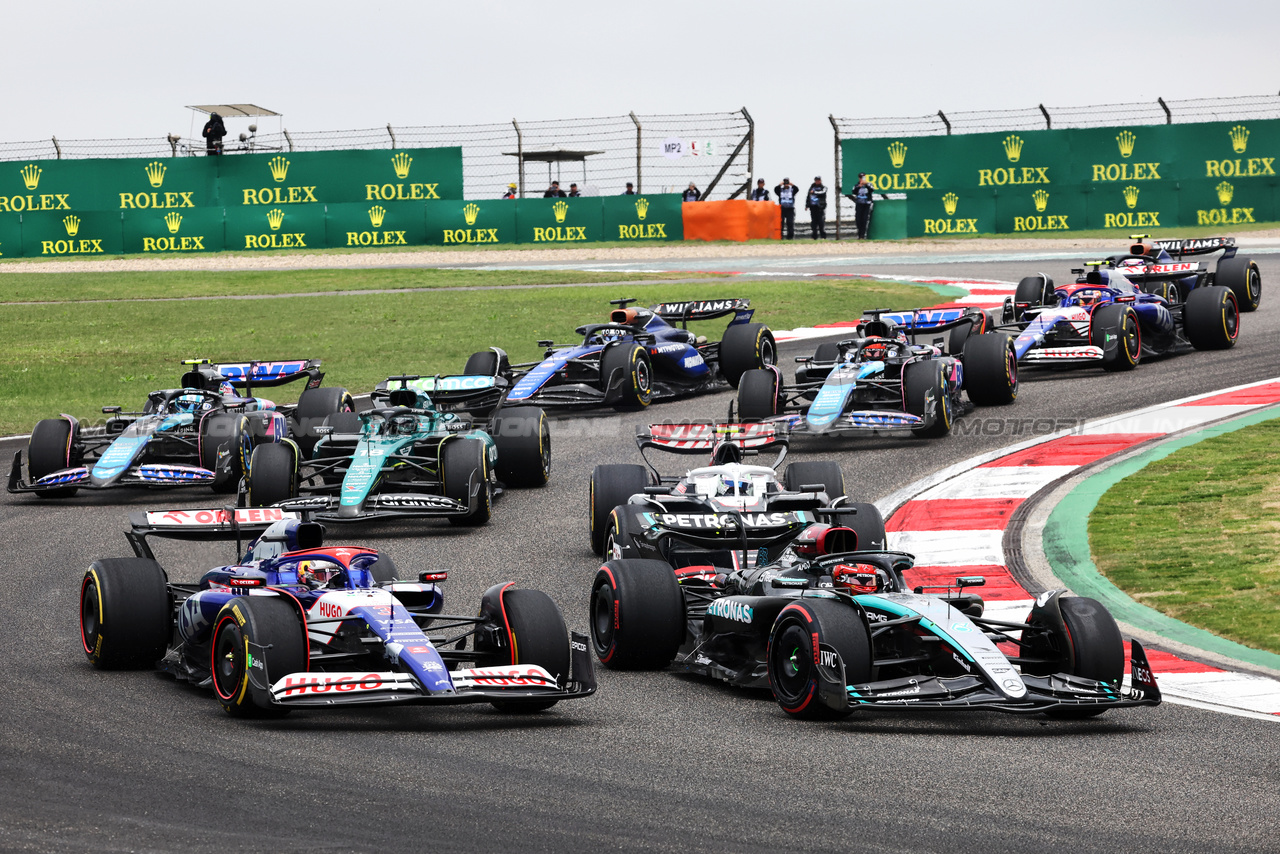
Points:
[(723, 513), (831, 629)]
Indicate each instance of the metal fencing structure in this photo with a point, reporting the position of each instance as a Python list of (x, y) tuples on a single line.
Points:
[(658, 153), (1040, 117)]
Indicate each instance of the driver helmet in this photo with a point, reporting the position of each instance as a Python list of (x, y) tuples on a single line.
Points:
[(733, 484), (404, 425), (189, 403), (318, 571), (874, 350), (859, 577)]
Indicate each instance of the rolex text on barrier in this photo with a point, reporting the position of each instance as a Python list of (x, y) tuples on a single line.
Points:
[(471, 223), (315, 177), (375, 224), (47, 234), (280, 227), (161, 232), (1144, 176), (559, 221), (643, 219)]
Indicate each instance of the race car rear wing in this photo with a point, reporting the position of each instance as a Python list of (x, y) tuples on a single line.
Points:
[(706, 309), (1144, 273), (926, 319), (248, 374), (1193, 245), (710, 437), (216, 523), (457, 391)]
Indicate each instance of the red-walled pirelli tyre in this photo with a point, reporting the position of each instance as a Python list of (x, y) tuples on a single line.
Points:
[(637, 615), (126, 619), (793, 660), (538, 636), (257, 640)]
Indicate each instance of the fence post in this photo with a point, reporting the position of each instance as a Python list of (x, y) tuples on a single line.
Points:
[(751, 147), (173, 144), (393, 136), (1048, 122), (288, 138), (57, 148), (519, 154), (836, 128), (639, 182), (943, 116), (1168, 116)]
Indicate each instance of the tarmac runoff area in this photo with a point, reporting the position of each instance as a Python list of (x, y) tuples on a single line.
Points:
[(1018, 516)]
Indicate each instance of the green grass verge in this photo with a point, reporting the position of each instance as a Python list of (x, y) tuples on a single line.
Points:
[(38, 287), (76, 358), (1196, 535)]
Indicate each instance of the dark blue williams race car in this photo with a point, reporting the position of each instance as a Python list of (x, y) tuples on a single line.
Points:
[(1158, 266), (882, 379), (640, 355), (294, 623), (1116, 315), (202, 433), (832, 628)]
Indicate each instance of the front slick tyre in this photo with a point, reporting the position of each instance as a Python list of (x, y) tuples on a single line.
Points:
[(125, 616), (523, 437), (273, 474), (257, 640), (991, 369), (793, 661), (1114, 328), (759, 394), (925, 389), (465, 463), (538, 636), (637, 615), (745, 347), (632, 360), (49, 450)]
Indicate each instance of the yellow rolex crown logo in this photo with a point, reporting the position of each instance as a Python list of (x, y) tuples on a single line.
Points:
[(1012, 147), (1131, 196), (275, 218), (560, 208), (949, 203), (173, 220), (1239, 139), (155, 172), (1041, 198), (376, 215), (470, 211), (1225, 192), (31, 175), (897, 154), (279, 168), (1126, 141), (401, 163), (71, 223), (642, 208)]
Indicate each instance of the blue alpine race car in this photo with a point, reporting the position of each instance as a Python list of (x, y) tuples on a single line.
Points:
[(417, 452), (640, 355), (1114, 315), (202, 433), (881, 379), (295, 623)]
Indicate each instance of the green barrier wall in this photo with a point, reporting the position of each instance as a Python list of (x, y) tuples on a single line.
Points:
[(283, 227), (559, 220), (52, 235), (314, 177), (375, 224), (157, 232), (471, 223), (642, 218), (10, 235), (1212, 173)]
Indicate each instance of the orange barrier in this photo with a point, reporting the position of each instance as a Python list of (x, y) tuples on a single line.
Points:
[(731, 220)]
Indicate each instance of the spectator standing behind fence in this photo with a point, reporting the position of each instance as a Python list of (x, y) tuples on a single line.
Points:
[(692, 194), (786, 193), (213, 132), (553, 191), (510, 193), (862, 204), (760, 193), (816, 201), (631, 189), (573, 191)]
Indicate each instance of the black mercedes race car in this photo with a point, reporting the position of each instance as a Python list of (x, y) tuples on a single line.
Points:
[(640, 355), (722, 513), (293, 622), (831, 629)]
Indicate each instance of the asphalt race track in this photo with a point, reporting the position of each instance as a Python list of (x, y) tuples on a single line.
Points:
[(133, 761)]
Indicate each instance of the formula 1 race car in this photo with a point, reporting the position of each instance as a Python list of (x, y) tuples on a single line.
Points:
[(639, 356), (295, 623), (416, 453), (831, 628), (882, 380), (1106, 318), (1157, 267), (723, 513), (200, 434)]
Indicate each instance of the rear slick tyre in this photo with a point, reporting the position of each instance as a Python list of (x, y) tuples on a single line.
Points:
[(759, 394), (637, 615), (1211, 318), (610, 486), (126, 619)]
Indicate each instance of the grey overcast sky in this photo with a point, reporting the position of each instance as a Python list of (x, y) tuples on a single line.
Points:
[(81, 69)]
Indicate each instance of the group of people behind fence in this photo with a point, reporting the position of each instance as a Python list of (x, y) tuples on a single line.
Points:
[(786, 193)]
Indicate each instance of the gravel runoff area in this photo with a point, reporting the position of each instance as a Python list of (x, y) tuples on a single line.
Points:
[(427, 257)]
